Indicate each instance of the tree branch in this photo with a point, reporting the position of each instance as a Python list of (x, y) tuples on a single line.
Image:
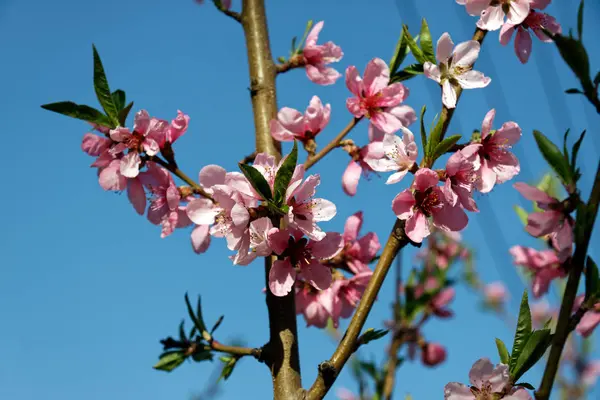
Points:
[(281, 352), (236, 351), (232, 14), (397, 337), (564, 327), (331, 145), (177, 172)]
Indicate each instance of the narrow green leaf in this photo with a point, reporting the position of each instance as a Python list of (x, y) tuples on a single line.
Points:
[(526, 385), (413, 69), (412, 44), (580, 21), (293, 45), (284, 175), (445, 145), (124, 113), (182, 337), (217, 324), (118, 97), (81, 112), (534, 349), (592, 280), (575, 151), (435, 135), (257, 180), (426, 43), (423, 131), (170, 360), (523, 331), (402, 76), (565, 151), (573, 91), (227, 368), (400, 53), (502, 351), (575, 55), (371, 334), (553, 157), (522, 214), (198, 322), (102, 89), (309, 25), (370, 369), (200, 356)]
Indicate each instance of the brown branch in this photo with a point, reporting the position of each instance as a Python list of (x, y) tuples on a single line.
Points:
[(396, 241), (281, 352), (235, 350), (296, 61), (177, 172), (331, 145), (232, 14), (249, 158), (585, 222)]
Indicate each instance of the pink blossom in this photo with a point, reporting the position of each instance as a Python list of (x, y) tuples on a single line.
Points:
[(440, 302), (299, 255), (498, 164), (455, 68), (347, 294), (291, 124), (544, 265), (360, 165), (423, 200), (590, 373), (165, 205), (551, 221), (305, 210), (258, 245), (442, 247), (404, 113), (461, 177), (345, 394), (492, 13), (111, 178), (266, 165), (590, 319), (541, 312), (536, 21), (374, 96), (495, 293), (486, 381), (317, 56), (433, 354), (315, 305), (178, 127), (95, 145), (400, 155), (144, 138), (358, 252)]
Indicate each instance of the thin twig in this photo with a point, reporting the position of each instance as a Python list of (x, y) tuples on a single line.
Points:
[(564, 325), (397, 337), (331, 145), (232, 14), (177, 172), (235, 350)]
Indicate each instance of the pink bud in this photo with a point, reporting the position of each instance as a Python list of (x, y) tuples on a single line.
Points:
[(495, 293), (433, 354)]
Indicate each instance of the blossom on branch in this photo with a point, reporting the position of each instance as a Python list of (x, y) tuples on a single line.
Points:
[(493, 12), (544, 266), (590, 320), (400, 155), (461, 177), (317, 56), (374, 96), (455, 68), (360, 164), (291, 124)]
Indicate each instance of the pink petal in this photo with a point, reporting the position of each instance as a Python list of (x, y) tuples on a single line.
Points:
[(292, 120), (457, 391), (432, 71), (313, 35), (476, 7), (491, 19), (280, 133), (588, 323), (523, 45), (111, 179), (352, 226), (369, 246), (506, 33), (488, 120), (386, 122), (377, 76), (354, 82), (130, 164), (448, 94), (239, 215), (534, 194), (487, 178), (278, 240), (120, 134), (519, 9), (402, 204), (327, 247), (465, 54), (136, 195), (444, 47), (405, 114), (321, 74), (508, 134), (351, 178), (94, 145), (317, 274), (307, 189), (211, 175), (450, 218), (200, 238), (323, 210), (392, 95), (417, 227), (281, 277), (539, 4), (542, 223), (202, 211), (473, 80), (396, 177), (424, 179)]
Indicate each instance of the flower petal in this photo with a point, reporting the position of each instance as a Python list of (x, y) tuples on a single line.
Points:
[(351, 178), (281, 277), (444, 47), (377, 76), (136, 195), (200, 238)]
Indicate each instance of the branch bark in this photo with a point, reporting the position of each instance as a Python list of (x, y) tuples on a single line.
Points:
[(281, 352), (564, 325), (331, 145)]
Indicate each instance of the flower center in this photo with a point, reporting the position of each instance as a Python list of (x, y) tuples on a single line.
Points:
[(134, 142), (535, 20), (427, 201), (369, 104), (297, 252)]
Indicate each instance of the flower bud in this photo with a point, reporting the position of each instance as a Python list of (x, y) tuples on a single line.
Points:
[(433, 354)]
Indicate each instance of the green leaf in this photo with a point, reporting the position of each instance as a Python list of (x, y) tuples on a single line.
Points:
[(402, 76), (573, 91), (592, 280), (293, 51), (423, 131), (309, 25), (534, 349), (370, 335), (170, 360), (257, 180), (284, 175), (400, 53), (81, 112), (413, 69), (522, 214), (575, 55), (426, 43), (553, 157), (412, 45), (565, 151), (435, 135), (217, 324), (118, 97), (526, 385), (202, 355), (228, 367), (122, 117), (575, 151), (182, 337), (102, 89), (502, 351), (369, 368), (580, 20), (445, 145), (196, 319), (523, 330), (597, 79)]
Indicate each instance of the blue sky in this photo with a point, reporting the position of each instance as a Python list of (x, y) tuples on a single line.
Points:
[(89, 287)]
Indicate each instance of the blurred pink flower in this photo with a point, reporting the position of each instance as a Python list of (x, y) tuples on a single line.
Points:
[(544, 265)]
